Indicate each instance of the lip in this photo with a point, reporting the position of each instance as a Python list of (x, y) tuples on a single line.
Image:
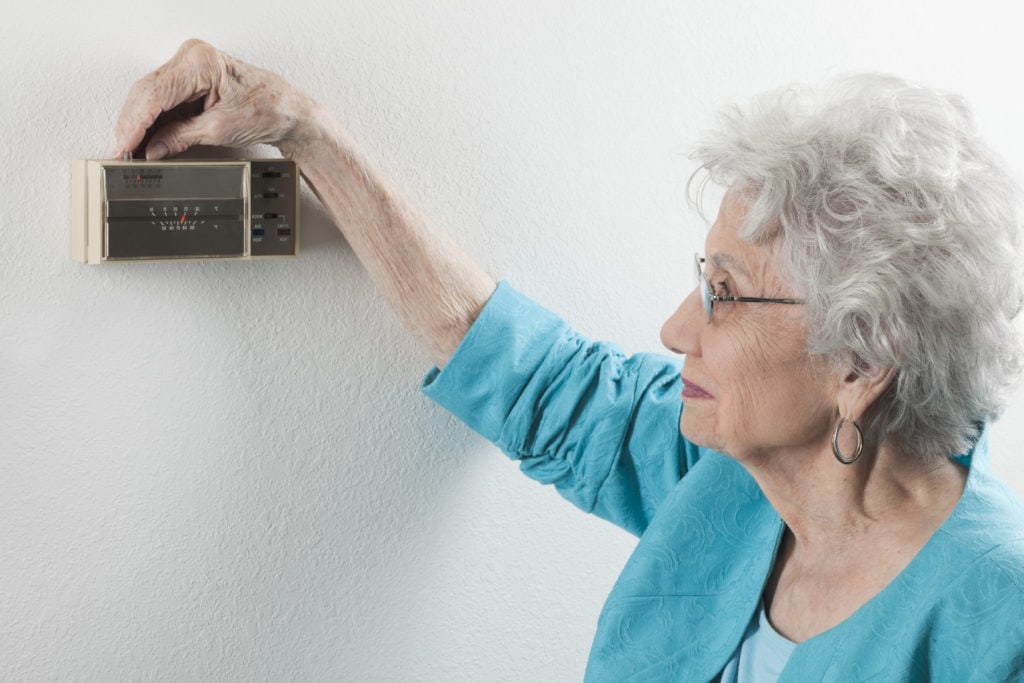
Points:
[(694, 390)]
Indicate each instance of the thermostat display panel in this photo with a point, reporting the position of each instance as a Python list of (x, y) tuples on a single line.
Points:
[(127, 210)]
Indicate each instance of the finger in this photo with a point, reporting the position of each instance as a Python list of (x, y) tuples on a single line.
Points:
[(137, 115), (189, 75), (178, 136)]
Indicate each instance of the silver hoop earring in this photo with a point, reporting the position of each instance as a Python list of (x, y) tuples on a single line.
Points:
[(835, 443)]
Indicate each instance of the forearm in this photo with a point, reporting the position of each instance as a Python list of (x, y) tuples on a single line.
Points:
[(435, 288)]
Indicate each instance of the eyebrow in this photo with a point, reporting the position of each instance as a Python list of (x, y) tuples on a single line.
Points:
[(729, 263)]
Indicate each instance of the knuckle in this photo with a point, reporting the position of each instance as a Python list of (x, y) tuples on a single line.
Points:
[(196, 51), (191, 44)]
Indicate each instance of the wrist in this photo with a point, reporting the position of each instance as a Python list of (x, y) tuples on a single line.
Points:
[(312, 131)]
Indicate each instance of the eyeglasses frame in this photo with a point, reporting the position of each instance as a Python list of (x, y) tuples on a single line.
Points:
[(708, 296)]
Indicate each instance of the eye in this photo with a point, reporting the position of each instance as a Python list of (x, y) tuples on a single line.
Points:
[(722, 288)]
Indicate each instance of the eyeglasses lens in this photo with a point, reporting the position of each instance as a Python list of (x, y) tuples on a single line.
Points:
[(705, 289)]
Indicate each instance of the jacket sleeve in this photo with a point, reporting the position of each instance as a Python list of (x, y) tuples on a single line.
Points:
[(601, 427)]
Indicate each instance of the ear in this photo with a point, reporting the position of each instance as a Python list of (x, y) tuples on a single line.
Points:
[(861, 388)]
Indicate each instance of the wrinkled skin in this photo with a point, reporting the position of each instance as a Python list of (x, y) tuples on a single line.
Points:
[(205, 97)]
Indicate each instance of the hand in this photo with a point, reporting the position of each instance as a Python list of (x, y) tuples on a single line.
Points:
[(205, 97)]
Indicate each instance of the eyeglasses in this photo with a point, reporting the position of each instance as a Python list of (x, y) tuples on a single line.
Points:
[(708, 297)]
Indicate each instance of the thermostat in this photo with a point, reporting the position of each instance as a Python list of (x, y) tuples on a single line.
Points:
[(144, 211)]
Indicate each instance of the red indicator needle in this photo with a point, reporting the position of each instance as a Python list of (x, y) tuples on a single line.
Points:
[(182, 218)]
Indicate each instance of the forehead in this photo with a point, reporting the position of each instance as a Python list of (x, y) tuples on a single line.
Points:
[(726, 250)]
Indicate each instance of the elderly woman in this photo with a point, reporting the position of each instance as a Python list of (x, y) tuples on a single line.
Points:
[(811, 491)]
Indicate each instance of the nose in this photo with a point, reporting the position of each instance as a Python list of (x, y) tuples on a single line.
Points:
[(681, 332)]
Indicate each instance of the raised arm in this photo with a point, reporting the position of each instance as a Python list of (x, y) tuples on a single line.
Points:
[(436, 289)]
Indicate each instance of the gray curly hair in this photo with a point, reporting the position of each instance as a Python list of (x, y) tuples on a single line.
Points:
[(901, 229)]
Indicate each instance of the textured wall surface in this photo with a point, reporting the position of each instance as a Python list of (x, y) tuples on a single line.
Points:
[(225, 471)]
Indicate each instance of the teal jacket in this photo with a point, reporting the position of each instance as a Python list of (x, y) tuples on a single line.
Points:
[(603, 429)]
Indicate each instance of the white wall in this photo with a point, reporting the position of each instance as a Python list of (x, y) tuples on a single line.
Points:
[(225, 471)]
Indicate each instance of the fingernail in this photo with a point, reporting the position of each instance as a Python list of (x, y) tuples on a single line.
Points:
[(157, 150)]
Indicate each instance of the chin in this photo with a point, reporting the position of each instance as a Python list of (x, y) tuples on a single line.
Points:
[(694, 431)]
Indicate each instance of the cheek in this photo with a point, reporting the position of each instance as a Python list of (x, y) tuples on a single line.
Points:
[(748, 366), (769, 392), (788, 407), (744, 410), (726, 420)]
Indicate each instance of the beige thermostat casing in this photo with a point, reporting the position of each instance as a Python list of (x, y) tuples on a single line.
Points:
[(184, 210)]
